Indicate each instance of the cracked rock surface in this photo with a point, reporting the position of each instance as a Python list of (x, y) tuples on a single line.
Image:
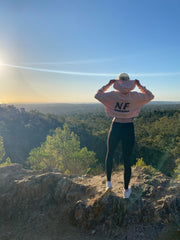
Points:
[(52, 206)]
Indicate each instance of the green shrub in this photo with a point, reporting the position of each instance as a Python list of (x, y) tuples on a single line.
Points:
[(177, 169), (62, 151), (6, 163), (140, 162)]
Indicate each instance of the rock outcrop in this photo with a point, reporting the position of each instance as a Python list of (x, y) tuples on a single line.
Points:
[(50, 205)]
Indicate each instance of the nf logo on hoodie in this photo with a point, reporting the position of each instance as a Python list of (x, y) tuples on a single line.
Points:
[(121, 107)]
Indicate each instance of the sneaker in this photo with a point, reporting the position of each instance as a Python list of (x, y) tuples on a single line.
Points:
[(127, 193), (108, 186)]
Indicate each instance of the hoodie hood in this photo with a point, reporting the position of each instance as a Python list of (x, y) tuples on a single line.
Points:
[(124, 86)]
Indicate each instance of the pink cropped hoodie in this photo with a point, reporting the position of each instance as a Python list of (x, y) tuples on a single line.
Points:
[(123, 104)]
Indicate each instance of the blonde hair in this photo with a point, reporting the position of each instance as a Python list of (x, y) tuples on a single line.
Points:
[(123, 77)]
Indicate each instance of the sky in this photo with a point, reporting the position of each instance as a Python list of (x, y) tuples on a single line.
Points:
[(65, 50)]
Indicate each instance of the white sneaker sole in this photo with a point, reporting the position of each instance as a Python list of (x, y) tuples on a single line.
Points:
[(109, 189)]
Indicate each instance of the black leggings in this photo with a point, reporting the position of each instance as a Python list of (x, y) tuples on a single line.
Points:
[(123, 132)]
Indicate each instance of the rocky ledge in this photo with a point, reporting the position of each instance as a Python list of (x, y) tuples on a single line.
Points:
[(49, 205)]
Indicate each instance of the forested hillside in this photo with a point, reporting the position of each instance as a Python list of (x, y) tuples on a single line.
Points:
[(22, 131), (71, 108), (28, 135)]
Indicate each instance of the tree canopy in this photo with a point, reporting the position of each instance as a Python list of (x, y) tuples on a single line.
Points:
[(62, 150), (79, 139)]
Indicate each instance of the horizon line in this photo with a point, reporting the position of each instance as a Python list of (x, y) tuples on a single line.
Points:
[(24, 103)]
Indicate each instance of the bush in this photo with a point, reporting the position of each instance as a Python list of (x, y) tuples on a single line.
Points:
[(62, 151), (140, 162), (2, 151), (177, 169), (6, 163)]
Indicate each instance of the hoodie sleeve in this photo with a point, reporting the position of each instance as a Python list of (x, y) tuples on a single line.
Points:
[(101, 94), (144, 96)]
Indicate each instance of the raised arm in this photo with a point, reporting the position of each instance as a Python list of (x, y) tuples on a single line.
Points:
[(105, 87), (145, 93), (100, 93)]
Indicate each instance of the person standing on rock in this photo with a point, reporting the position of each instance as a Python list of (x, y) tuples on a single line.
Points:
[(123, 105)]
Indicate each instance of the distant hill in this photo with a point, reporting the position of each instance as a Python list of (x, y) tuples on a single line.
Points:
[(73, 108), (62, 108), (164, 102)]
